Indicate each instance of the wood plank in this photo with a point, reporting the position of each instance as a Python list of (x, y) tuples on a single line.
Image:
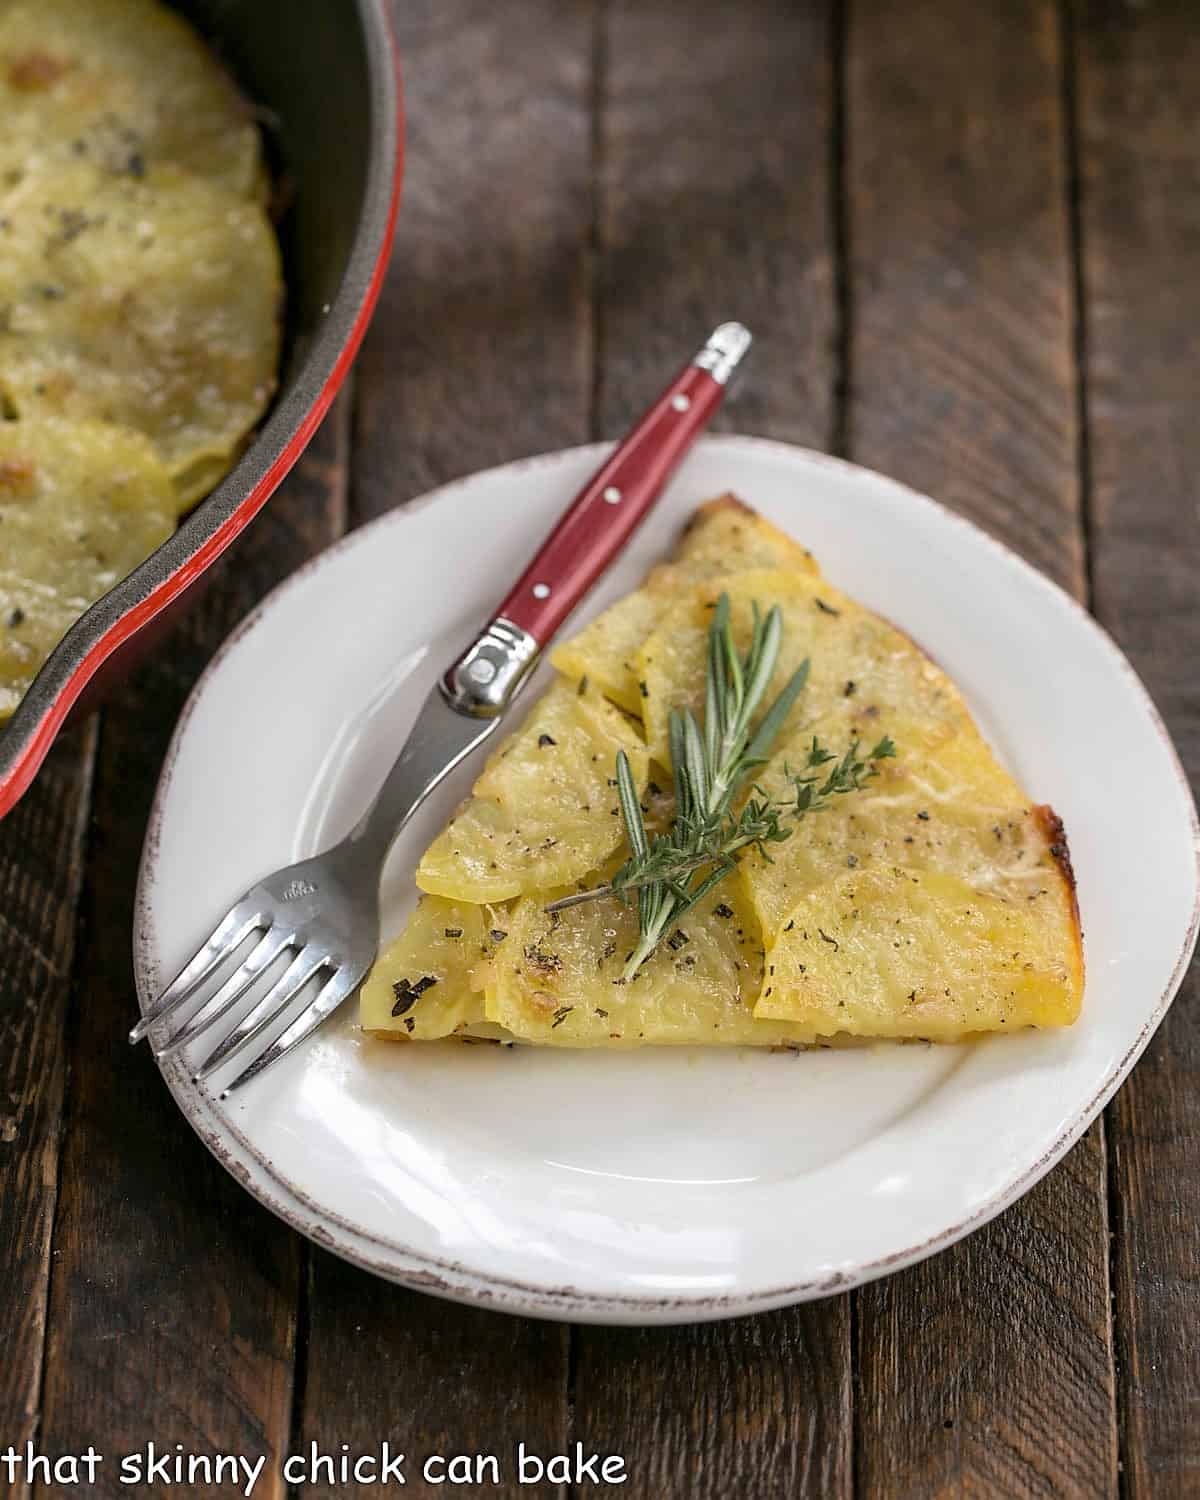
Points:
[(714, 202), (757, 1406), (961, 365), (173, 1293), (480, 352), (430, 1377), (1139, 122), (987, 1370), (42, 845)]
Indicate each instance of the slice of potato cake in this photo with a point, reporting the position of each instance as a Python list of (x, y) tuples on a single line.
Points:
[(936, 902)]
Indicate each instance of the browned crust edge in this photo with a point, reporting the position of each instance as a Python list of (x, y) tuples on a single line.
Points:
[(727, 501), (1050, 826), (707, 509)]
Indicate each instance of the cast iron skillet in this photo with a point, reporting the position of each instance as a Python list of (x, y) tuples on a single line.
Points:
[(325, 77)]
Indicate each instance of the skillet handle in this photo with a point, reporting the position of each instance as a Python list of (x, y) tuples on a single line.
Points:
[(593, 530)]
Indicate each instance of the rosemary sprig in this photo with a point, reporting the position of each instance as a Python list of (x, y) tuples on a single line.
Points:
[(671, 872)]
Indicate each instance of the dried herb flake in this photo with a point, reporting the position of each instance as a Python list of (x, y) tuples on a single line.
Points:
[(407, 993)]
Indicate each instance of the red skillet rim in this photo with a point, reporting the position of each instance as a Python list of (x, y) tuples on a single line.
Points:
[(114, 619)]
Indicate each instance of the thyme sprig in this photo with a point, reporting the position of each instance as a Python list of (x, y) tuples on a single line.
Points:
[(669, 873)]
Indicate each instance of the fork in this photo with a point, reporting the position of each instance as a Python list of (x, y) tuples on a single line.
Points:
[(322, 914)]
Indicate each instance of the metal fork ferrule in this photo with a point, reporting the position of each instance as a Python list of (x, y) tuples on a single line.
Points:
[(485, 679)]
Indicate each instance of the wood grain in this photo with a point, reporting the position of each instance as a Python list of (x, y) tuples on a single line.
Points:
[(759, 1406), (987, 1370), (173, 1293), (715, 202), (42, 845), (430, 1377), (961, 376), (480, 352), (1138, 125)]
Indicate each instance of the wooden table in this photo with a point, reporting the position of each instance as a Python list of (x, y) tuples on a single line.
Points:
[(968, 236)]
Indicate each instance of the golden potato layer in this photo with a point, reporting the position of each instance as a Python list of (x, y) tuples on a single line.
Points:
[(544, 810)]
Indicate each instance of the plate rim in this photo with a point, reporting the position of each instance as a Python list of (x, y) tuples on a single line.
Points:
[(450, 1279)]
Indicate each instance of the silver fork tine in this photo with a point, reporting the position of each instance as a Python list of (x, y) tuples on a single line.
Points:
[(336, 989), (302, 968), (233, 928), (257, 962)]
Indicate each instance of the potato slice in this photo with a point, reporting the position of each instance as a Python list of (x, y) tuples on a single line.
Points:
[(897, 952), (544, 811), (943, 805), (121, 83), (449, 943), (604, 653), (724, 536), (556, 980), (858, 662), (81, 504), (150, 302)]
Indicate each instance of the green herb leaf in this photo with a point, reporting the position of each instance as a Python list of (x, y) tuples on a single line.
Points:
[(631, 808), (759, 747)]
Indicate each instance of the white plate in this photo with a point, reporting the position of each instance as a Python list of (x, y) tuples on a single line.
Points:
[(660, 1186)]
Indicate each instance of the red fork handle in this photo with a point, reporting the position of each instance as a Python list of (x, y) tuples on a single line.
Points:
[(594, 528), (610, 507)]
